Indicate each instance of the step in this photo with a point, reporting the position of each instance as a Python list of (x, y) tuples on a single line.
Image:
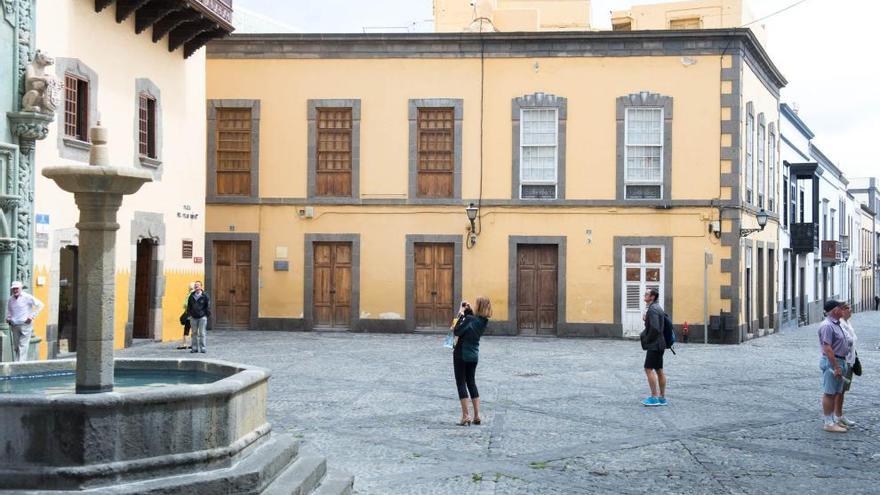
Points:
[(300, 478), (249, 476), (335, 483)]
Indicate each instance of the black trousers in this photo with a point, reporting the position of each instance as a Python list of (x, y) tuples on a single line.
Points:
[(464, 378)]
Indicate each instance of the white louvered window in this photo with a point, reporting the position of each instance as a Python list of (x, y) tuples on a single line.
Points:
[(750, 157), (538, 153), (771, 173), (643, 269), (761, 164), (643, 153)]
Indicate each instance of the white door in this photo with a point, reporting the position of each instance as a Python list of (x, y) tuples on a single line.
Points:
[(642, 270)]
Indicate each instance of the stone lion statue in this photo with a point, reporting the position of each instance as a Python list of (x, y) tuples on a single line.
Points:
[(42, 90)]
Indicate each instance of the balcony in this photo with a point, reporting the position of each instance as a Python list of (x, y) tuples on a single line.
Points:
[(831, 253), (844, 247), (804, 237), (189, 24)]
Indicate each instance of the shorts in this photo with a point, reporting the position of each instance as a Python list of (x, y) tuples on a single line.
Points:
[(654, 360), (831, 385)]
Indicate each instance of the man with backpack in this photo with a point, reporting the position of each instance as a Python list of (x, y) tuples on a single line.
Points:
[(655, 340)]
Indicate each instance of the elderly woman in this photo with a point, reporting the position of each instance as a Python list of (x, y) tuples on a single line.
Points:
[(850, 363), (466, 354)]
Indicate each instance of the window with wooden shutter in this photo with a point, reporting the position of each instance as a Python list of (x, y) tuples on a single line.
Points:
[(686, 23), (187, 249), (76, 107), (334, 148), (147, 125), (436, 153), (234, 150)]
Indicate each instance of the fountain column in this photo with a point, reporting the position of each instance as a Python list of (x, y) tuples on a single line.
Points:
[(98, 189)]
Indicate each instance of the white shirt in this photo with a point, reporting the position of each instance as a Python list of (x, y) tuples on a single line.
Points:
[(851, 335), (20, 308)]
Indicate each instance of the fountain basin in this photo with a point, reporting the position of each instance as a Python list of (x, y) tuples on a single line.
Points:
[(75, 442)]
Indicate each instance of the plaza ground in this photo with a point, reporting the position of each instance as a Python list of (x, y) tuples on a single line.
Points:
[(562, 416)]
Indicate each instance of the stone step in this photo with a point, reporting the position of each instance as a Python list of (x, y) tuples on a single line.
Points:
[(335, 483), (300, 478), (250, 476)]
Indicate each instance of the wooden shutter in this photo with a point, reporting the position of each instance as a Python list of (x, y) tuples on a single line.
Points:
[(233, 141), (436, 153), (333, 174), (76, 107), (147, 125), (187, 249)]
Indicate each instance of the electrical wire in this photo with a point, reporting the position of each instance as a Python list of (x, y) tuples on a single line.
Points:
[(795, 4)]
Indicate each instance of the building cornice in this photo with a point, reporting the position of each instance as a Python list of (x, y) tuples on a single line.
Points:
[(795, 119), (498, 45), (823, 160)]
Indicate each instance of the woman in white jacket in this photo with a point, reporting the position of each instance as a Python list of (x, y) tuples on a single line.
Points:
[(850, 361)]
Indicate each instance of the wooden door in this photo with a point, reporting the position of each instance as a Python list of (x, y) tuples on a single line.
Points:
[(760, 289), (536, 297), (143, 289), (434, 270), (232, 284), (331, 285)]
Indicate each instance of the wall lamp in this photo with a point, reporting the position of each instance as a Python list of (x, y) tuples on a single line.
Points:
[(472, 212), (762, 217)]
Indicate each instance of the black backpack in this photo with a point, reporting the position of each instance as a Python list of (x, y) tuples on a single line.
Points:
[(668, 332)]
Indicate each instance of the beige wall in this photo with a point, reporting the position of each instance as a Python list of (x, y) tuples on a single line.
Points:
[(713, 14), (515, 15), (72, 29)]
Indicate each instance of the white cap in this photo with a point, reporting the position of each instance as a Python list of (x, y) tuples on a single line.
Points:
[(16, 284)]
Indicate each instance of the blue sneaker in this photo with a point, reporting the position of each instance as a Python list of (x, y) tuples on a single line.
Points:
[(651, 402), (661, 401)]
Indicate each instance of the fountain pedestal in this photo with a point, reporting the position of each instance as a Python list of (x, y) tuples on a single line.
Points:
[(98, 192)]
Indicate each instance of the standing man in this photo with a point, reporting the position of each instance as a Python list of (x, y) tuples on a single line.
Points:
[(834, 345), (654, 343), (198, 307), (21, 310)]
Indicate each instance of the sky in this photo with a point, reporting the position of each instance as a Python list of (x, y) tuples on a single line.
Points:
[(825, 48)]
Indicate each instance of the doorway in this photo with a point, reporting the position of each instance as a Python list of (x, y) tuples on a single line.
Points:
[(331, 285), (643, 269), (760, 289), (536, 288), (232, 284), (67, 297), (434, 269), (145, 275)]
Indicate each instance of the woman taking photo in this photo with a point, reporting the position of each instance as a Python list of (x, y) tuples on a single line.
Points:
[(468, 329)]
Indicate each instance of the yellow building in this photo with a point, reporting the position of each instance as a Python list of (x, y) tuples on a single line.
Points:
[(599, 163), (137, 68)]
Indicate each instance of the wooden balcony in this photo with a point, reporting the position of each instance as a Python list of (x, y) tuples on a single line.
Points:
[(804, 237), (831, 253), (186, 23)]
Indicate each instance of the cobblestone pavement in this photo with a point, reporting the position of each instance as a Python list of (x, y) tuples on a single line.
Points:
[(563, 416)]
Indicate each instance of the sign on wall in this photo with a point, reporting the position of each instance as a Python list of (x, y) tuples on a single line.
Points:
[(41, 237)]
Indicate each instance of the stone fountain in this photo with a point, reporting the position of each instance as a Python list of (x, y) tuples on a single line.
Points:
[(170, 425)]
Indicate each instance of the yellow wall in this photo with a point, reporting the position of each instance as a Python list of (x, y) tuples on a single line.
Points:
[(119, 56), (591, 133)]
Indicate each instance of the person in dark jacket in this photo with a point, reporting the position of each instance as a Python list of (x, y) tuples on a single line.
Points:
[(654, 344), (198, 307), (466, 353)]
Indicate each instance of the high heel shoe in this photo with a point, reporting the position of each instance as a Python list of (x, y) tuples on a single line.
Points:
[(464, 422)]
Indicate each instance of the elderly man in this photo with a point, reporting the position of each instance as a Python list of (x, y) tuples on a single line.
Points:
[(834, 344), (21, 310)]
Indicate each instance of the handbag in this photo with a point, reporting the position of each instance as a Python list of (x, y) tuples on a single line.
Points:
[(857, 367), (448, 342), (184, 318)]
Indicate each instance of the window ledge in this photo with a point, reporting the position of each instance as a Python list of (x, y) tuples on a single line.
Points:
[(76, 143), (146, 161)]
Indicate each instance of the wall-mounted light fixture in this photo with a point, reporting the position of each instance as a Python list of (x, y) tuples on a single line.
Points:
[(472, 212), (715, 228), (762, 217)]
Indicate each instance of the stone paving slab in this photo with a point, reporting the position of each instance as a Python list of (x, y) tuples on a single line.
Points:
[(562, 416)]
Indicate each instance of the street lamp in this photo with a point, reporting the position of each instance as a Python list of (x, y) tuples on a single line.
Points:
[(762, 217), (472, 212)]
